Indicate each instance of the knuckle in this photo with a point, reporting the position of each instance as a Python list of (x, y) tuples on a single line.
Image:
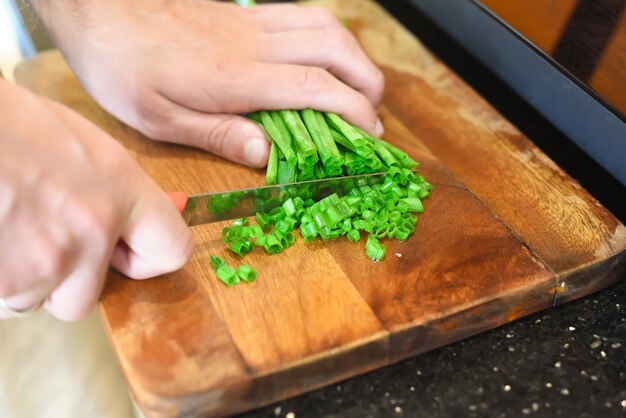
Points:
[(378, 83), (53, 261), (321, 15), (154, 116), (100, 231), (216, 139), (228, 68), (340, 39), (314, 79), (95, 225)]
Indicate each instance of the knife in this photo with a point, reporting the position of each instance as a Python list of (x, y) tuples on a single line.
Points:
[(220, 206)]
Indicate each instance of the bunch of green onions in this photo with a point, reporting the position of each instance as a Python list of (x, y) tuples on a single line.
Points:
[(308, 145)]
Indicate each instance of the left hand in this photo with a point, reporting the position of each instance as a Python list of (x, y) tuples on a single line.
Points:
[(182, 71)]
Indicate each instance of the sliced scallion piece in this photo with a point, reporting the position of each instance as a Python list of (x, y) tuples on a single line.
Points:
[(374, 250), (246, 273), (227, 274), (217, 262)]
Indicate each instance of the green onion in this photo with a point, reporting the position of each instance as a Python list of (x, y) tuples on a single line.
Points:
[(217, 262), (342, 140), (289, 207), (272, 244), (245, 3), (285, 173), (246, 273), (242, 246), (227, 274), (308, 144), (264, 220), (271, 175), (354, 235), (385, 155), (240, 222), (410, 204), (321, 137), (279, 135), (374, 250), (352, 134), (255, 231), (401, 234), (305, 148)]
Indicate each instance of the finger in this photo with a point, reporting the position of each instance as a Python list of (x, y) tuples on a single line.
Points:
[(28, 299), (156, 240), (335, 50), (39, 249), (232, 137), (285, 17), (251, 86), (79, 293)]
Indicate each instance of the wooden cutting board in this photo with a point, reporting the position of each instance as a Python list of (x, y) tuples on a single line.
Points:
[(505, 234)]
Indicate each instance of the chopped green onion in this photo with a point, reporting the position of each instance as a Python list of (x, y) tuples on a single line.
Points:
[(227, 274), (217, 262), (354, 235), (242, 246), (374, 250), (289, 207), (272, 244), (246, 273), (410, 204), (308, 144), (401, 234), (381, 232), (264, 220), (309, 231), (255, 231), (277, 214), (240, 222)]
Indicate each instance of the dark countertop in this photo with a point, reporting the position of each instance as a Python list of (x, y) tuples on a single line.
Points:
[(568, 361)]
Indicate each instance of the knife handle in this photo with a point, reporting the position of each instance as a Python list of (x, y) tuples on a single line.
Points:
[(179, 199)]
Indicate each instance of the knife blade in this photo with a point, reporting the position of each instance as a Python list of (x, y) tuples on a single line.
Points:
[(241, 203)]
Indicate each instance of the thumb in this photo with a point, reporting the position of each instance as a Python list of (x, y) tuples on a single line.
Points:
[(156, 239), (230, 136)]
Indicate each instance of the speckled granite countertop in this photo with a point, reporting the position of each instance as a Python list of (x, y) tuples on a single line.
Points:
[(569, 361)]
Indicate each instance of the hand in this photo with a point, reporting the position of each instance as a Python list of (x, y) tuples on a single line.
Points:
[(71, 202), (181, 71)]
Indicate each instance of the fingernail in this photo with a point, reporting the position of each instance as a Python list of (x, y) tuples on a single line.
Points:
[(254, 151), (379, 128)]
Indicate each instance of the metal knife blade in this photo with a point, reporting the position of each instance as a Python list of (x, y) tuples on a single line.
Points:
[(241, 203)]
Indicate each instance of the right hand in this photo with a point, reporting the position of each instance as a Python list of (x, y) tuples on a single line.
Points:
[(72, 201)]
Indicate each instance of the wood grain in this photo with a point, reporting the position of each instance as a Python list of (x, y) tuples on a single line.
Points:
[(504, 234), (512, 176)]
